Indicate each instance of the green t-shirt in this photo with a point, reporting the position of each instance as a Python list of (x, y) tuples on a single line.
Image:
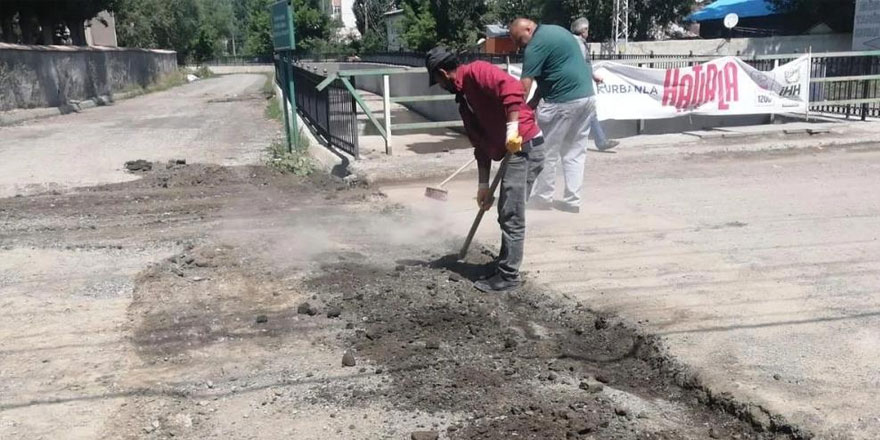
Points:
[(554, 59)]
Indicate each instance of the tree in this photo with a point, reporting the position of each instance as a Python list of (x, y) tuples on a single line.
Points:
[(418, 29), (504, 11), (136, 23), (459, 22), (370, 15), (258, 33), (645, 15), (313, 26), (837, 14), (196, 29), (648, 15)]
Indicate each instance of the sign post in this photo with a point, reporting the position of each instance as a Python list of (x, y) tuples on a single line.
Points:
[(284, 42)]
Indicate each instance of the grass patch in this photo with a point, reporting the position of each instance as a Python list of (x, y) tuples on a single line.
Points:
[(204, 72), (173, 79), (273, 104), (273, 109), (298, 162)]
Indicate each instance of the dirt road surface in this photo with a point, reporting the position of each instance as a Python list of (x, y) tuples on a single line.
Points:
[(218, 121), (221, 299)]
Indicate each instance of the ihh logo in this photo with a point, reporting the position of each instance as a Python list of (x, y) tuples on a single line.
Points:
[(791, 91)]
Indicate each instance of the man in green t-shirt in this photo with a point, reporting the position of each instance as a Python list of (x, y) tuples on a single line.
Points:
[(553, 58)]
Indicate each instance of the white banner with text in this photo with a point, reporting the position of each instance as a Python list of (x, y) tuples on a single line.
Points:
[(726, 86)]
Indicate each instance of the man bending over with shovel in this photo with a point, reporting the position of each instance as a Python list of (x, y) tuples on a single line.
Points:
[(500, 126)]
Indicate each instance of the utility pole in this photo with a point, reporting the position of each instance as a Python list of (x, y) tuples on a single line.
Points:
[(620, 25), (233, 41)]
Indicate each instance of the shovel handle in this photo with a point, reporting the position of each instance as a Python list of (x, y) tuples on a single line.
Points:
[(498, 176)]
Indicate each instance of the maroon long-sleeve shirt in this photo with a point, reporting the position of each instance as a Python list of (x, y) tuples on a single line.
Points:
[(490, 94)]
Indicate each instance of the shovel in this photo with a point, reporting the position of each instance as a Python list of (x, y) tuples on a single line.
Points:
[(498, 176)]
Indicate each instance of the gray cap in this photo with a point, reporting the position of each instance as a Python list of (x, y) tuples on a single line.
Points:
[(437, 58)]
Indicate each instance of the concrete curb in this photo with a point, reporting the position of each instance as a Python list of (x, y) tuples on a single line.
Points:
[(13, 117), (327, 159), (417, 169)]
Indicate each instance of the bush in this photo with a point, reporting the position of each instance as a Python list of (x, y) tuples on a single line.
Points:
[(204, 72), (298, 162)]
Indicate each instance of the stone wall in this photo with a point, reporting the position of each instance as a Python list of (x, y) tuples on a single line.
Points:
[(53, 76)]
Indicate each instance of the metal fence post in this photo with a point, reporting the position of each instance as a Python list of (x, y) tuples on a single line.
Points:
[(291, 94), (773, 115), (285, 95), (386, 103)]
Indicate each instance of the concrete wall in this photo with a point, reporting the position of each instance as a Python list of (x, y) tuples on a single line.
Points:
[(52, 76), (734, 46), (413, 84)]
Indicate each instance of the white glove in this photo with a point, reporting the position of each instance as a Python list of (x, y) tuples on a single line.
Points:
[(512, 130), (514, 140)]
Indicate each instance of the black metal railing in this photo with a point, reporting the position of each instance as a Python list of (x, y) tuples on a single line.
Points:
[(331, 112), (830, 67)]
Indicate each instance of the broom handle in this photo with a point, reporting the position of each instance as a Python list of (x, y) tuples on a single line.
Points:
[(458, 171), (473, 231)]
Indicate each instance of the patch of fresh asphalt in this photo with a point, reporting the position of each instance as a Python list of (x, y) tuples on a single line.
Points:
[(757, 269)]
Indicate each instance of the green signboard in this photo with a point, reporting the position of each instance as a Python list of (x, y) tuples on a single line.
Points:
[(282, 26)]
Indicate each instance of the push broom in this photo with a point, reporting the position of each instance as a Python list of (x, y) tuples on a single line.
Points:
[(440, 193)]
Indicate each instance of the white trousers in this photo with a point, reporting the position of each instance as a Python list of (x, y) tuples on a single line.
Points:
[(566, 128)]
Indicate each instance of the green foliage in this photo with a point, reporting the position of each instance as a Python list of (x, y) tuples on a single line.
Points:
[(837, 14), (194, 28), (298, 162), (173, 79), (459, 22), (504, 11), (204, 72), (258, 32), (419, 29), (313, 27), (273, 109), (374, 41)]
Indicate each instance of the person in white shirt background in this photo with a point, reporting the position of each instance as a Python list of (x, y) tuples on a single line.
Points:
[(581, 29)]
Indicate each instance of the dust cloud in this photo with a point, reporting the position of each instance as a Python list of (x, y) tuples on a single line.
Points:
[(325, 231)]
